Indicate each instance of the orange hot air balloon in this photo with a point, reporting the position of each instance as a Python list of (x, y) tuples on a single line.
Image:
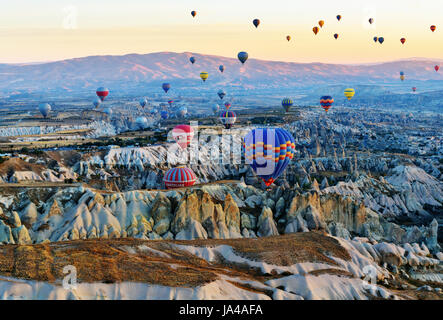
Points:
[(288, 38), (402, 40), (315, 29), (321, 23), (433, 28), (193, 13)]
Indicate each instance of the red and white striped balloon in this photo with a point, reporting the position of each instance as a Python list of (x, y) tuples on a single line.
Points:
[(179, 177)]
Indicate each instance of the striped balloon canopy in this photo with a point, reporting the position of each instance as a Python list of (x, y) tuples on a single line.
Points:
[(183, 135), (349, 93), (286, 104), (179, 177), (102, 93), (228, 118), (326, 102), (269, 151)]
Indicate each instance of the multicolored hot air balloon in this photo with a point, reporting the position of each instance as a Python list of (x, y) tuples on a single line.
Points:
[(326, 102), (193, 13), (414, 89), (170, 102), (243, 56), (192, 59), (97, 102), (141, 122), (221, 68), (164, 114), (143, 102), (321, 23), (269, 151), (179, 177), (375, 39), (339, 17), (286, 104), (336, 36), (256, 22), (204, 76), (403, 40), (102, 93), (45, 109), (288, 38), (433, 28), (183, 135), (221, 94), (349, 93), (315, 30), (228, 119), (371, 20), (381, 40), (227, 105), (166, 87), (182, 111), (215, 108), (436, 68), (402, 76)]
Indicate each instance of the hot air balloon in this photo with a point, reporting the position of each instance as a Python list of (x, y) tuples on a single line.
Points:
[(154, 111), (242, 56), (228, 118), (143, 102), (215, 108), (193, 13), (179, 177), (183, 135), (45, 109), (142, 122), (102, 93), (221, 68), (170, 102), (326, 102), (108, 111), (433, 28), (371, 20), (339, 17), (375, 39), (269, 151), (288, 38), (381, 40), (221, 94), (403, 40), (349, 93), (182, 111), (164, 114), (287, 103), (437, 68), (402, 76), (315, 30), (336, 36), (204, 76), (256, 22), (414, 89), (166, 87), (321, 23), (192, 59), (227, 105), (97, 102)]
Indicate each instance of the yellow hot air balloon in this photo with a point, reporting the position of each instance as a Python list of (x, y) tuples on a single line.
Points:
[(349, 93), (402, 78), (204, 76), (321, 23), (315, 30)]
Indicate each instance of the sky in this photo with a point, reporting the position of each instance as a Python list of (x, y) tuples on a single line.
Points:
[(49, 30)]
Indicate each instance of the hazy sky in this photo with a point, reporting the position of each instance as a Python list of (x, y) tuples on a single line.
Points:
[(44, 30)]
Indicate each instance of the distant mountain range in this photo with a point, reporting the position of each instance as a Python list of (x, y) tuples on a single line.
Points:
[(135, 70)]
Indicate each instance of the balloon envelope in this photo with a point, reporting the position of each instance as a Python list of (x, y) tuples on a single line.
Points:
[(221, 94), (45, 109), (179, 177), (193, 13), (288, 38), (339, 17), (221, 68), (437, 68), (228, 118), (102, 93), (321, 23), (268, 151), (166, 87), (142, 122), (433, 28), (349, 93), (143, 102), (256, 22), (215, 108), (336, 36), (315, 30), (381, 40), (326, 102), (97, 102), (204, 76), (243, 56), (108, 111), (402, 40), (287, 103), (192, 59)]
